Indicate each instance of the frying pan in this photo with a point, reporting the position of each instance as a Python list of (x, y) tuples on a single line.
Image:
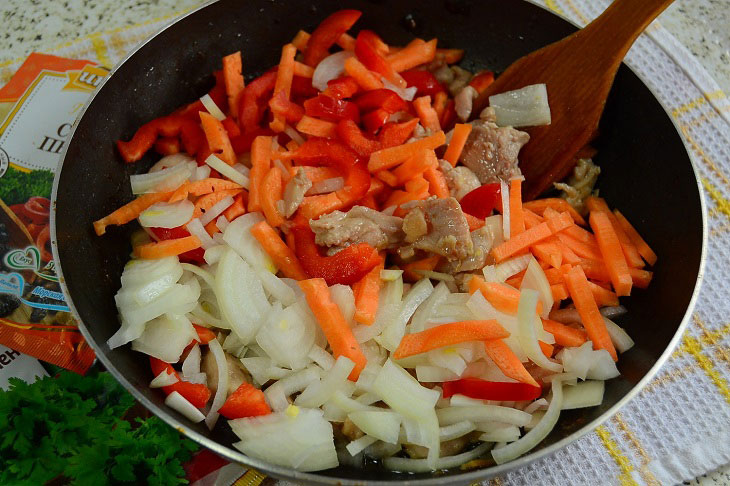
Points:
[(646, 173)]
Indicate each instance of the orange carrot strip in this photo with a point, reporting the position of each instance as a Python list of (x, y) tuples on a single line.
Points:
[(272, 191), (362, 75), (428, 263), (547, 252), (568, 255), (346, 42), (603, 297), (503, 297), (595, 270), (437, 184), (302, 70), (579, 248), (507, 361), (555, 275), (474, 222), (165, 248), (450, 56), (516, 217), (521, 242), (301, 39), (284, 76), (547, 349), (440, 101), (565, 335), (388, 177), (414, 54), (613, 256), (367, 293), (335, 327), (631, 253), (233, 81), (558, 221), (315, 206), (640, 277), (644, 250), (583, 299), (401, 197), (211, 184), (211, 228), (456, 145), (417, 185), (236, 209), (204, 203), (584, 236), (260, 163), (130, 211), (392, 156), (429, 117), (317, 174), (217, 138), (448, 335), (415, 166), (284, 258), (205, 335), (559, 291), (560, 205), (316, 127), (531, 219), (180, 193)]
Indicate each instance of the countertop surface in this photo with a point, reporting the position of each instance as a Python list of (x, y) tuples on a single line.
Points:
[(703, 26)]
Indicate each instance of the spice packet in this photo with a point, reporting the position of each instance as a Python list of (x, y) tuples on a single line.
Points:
[(38, 107)]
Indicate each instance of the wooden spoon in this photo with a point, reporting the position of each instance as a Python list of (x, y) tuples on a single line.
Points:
[(578, 71)]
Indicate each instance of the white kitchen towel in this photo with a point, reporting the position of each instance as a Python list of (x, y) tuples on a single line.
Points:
[(679, 425)]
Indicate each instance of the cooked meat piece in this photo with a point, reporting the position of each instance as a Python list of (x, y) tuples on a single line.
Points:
[(294, 192), (580, 184), (237, 374), (350, 430), (491, 151), (464, 101), (461, 79), (448, 231), (414, 225), (461, 180), (359, 225), (488, 114), (477, 258)]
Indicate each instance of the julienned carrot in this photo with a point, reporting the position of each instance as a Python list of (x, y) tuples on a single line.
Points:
[(565, 335), (582, 235), (392, 156), (335, 327), (521, 242), (428, 263), (456, 145), (640, 277), (538, 206), (346, 42), (301, 69), (316, 127), (217, 138), (507, 361), (388, 177), (644, 250), (581, 249), (317, 174), (211, 184), (516, 217), (417, 185), (205, 335), (531, 219), (429, 117), (474, 222), (631, 253), (401, 197), (568, 255), (260, 163), (204, 203), (587, 308), (450, 56), (448, 335), (271, 192), (613, 256), (547, 252), (437, 184), (314, 206), (362, 75), (367, 293), (130, 211), (559, 291), (596, 270), (233, 81), (558, 221), (236, 209), (181, 193), (284, 76), (603, 297), (414, 54), (301, 39), (555, 275), (503, 297), (211, 228), (415, 166), (284, 258), (167, 248), (547, 349)]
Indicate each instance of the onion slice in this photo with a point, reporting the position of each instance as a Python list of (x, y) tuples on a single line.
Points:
[(584, 394), (164, 379), (222, 390), (504, 192), (522, 107), (422, 465), (526, 316), (227, 171), (212, 108), (330, 68), (167, 215), (177, 402), (216, 210)]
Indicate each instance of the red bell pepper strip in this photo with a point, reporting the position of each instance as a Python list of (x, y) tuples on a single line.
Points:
[(231, 127), (369, 50), (249, 112), (491, 390), (301, 87), (425, 82), (384, 99), (165, 126), (246, 401), (167, 145), (331, 109), (196, 393), (481, 81), (481, 201), (374, 120), (291, 111), (342, 87), (344, 267), (242, 143), (394, 134), (193, 256), (327, 33), (448, 119), (352, 136)]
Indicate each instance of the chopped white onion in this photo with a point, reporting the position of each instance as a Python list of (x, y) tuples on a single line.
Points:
[(584, 394), (621, 340), (504, 192), (212, 108), (216, 210), (222, 387), (165, 337), (406, 94), (163, 180), (319, 392), (277, 393), (535, 279), (541, 403), (177, 402), (287, 335), (195, 227), (167, 215), (293, 134), (164, 379), (200, 173), (357, 446), (394, 332), (238, 236), (330, 68), (222, 222), (454, 431), (422, 465), (585, 362), (191, 364), (426, 310), (213, 254), (381, 424), (503, 433), (227, 171), (170, 161), (343, 296), (324, 359), (524, 107), (526, 315), (326, 186), (275, 287), (434, 374), (482, 413)]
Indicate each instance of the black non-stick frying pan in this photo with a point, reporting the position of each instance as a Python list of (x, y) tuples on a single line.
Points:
[(646, 173)]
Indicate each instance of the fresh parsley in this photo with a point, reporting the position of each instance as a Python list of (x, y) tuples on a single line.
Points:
[(69, 429)]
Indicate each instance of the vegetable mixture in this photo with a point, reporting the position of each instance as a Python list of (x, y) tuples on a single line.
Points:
[(338, 263)]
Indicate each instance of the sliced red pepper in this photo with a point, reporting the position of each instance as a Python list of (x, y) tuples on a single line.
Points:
[(374, 120), (205, 335), (352, 136), (385, 99), (344, 267), (342, 87), (491, 390), (481, 201), (231, 127), (368, 49), (394, 134), (327, 33), (302, 88), (196, 393), (291, 111), (193, 256), (246, 401), (249, 113), (448, 119), (424, 81), (218, 93), (146, 136), (167, 145), (332, 109), (242, 143), (481, 81)]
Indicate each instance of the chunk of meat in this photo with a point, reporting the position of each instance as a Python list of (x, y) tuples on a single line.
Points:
[(461, 180), (237, 373), (482, 244), (447, 231), (294, 192), (491, 151), (338, 230)]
